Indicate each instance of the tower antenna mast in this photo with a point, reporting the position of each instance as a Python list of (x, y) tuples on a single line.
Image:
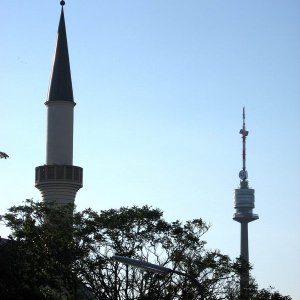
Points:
[(243, 173)]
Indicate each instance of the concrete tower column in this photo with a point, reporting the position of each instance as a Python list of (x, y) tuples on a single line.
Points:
[(244, 204), (58, 180), (244, 241)]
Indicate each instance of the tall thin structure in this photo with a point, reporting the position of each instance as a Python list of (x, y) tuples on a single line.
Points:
[(244, 204), (58, 180)]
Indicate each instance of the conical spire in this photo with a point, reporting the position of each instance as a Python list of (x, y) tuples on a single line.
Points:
[(60, 88)]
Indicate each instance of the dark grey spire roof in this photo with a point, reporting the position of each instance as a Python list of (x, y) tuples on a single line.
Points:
[(61, 82)]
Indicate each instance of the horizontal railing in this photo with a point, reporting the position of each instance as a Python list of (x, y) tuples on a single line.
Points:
[(58, 173)]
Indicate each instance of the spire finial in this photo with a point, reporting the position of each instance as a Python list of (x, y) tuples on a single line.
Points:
[(62, 3), (243, 173)]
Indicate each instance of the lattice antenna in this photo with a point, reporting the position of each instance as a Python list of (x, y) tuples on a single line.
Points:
[(243, 173)]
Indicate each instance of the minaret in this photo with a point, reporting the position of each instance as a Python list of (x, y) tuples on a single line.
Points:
[(244, 204), (58, 180)]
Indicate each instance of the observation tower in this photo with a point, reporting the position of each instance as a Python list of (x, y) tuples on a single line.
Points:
[(244, 205)]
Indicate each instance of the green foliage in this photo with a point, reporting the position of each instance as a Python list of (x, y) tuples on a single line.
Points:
[(39, 253), (268, 294), (55, 253), (143, 234)]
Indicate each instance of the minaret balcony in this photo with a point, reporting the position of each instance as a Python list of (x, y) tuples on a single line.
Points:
[(58, 173)]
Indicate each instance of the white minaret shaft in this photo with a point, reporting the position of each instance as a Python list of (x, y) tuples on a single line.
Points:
[(60, 132), (59, 180)]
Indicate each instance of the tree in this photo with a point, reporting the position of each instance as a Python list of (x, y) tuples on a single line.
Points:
[(38, 256), (58, 255), (142, 233)]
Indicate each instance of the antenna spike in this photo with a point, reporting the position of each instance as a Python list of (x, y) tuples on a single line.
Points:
[(243, 173)]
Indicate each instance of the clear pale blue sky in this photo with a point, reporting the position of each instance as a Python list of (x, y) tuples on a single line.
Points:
[(160, 86)]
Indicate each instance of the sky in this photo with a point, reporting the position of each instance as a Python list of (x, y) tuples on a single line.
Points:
[(160, 86)]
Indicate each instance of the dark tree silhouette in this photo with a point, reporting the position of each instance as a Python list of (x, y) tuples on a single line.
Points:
[(3, 155), (53, 254)]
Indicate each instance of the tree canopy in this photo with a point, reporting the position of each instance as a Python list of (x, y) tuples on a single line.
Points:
[(53, 253)]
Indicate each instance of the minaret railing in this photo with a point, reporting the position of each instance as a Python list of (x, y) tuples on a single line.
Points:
[(58, 173)]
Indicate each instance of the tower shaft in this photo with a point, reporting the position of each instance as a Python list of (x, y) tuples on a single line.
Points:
[(60, 132), (244, 241)]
